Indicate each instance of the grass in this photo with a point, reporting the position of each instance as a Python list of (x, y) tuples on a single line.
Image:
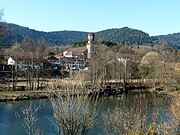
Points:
[(22, 95)]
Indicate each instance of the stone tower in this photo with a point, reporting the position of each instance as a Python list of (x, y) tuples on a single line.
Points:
[(90, 44)]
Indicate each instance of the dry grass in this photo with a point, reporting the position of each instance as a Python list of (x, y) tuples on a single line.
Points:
[(22, 95)]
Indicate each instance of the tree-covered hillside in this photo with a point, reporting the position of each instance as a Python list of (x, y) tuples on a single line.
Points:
[(18, 33), (126, 36), (173, 39)]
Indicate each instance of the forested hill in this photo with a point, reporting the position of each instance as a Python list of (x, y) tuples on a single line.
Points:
[(17, 33), (124, 35), (173, 39)]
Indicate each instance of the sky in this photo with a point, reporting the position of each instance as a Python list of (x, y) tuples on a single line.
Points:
[(155, 17)]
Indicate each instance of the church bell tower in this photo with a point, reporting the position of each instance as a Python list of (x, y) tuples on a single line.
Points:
[(90, 44)]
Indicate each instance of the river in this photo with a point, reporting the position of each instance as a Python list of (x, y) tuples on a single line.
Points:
[(11, 121)]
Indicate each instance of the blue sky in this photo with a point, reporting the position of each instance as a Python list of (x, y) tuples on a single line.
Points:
[(152, 16)]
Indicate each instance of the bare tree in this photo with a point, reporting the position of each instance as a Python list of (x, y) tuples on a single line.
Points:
[(100, 67), (173, 126), (74, 112), (122, 120), (40, 53), (29, 114), (15, 52)]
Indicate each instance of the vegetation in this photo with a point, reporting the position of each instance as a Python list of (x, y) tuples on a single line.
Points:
[(73, 114), (122, 120), (17, 34), (2, 55), (30, 118), (174, 126), (80, 44), (125, 36), (157, 64), (173, 39)]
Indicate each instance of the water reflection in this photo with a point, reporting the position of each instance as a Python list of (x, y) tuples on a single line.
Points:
[(11, 122)]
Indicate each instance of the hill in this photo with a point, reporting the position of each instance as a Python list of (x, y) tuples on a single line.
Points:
[(17, 33), (173, 39), (127, 36)]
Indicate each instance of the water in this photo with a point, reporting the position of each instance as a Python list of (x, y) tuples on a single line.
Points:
[(11, 120)]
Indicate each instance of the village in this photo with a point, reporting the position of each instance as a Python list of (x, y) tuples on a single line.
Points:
[(72, 59), (25, 67)]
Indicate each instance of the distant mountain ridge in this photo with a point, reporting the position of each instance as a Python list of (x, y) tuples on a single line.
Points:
[(125, 35), (18, 33), (173, 39)]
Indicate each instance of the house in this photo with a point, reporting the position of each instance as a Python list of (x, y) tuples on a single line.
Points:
[(54, 62), (75, 58), (73, 63), (24, 60), (79, 53), (11, 61), (64, 63)]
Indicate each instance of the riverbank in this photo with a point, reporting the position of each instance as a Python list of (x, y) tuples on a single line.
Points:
[(38, 94), (22, 95), (42, 94)]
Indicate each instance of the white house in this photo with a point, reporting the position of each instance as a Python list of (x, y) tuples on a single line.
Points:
[(11, 61), (23, 64)]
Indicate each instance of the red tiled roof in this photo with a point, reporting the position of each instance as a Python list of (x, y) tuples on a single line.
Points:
[(59, 57)]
